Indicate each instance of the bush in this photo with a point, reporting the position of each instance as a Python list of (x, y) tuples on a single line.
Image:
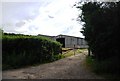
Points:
[(22, 50)]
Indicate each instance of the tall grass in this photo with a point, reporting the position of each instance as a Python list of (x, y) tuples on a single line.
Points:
[(109, 68)]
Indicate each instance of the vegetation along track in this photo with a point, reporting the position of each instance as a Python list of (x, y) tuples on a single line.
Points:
[(67, 68)]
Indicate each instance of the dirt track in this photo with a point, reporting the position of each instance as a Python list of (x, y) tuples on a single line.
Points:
[(68, 68)]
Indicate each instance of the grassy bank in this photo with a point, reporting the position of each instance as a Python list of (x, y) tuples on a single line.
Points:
[(110, 68), (71, 52)]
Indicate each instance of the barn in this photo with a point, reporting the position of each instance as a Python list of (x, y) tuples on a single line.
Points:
[(69, 41)]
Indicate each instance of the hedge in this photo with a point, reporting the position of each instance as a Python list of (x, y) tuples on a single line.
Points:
[(21, 50)]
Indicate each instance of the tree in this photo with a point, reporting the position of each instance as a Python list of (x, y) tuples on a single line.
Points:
[(101, 28), (1, 32)]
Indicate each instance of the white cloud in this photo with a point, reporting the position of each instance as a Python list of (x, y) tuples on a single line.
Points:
[(49, 17)]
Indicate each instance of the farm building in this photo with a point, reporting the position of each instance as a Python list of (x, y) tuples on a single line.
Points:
[(69, 41)]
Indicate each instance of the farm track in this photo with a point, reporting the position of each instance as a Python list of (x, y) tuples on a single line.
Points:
[(68, 68)]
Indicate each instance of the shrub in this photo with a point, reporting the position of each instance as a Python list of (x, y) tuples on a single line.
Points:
[(22, 50)]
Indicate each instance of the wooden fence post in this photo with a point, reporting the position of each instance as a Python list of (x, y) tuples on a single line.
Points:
[(89, 51), (74, 49)]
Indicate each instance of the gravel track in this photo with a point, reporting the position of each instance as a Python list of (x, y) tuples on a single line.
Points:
[(68, 68)]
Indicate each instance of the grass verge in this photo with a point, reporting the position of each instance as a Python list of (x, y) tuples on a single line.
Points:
[(109, 69), (71, 52)]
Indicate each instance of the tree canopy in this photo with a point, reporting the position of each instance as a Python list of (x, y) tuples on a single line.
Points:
[(101, 28)]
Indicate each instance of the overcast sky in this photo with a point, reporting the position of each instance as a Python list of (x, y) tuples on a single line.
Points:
[(47, 17)]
